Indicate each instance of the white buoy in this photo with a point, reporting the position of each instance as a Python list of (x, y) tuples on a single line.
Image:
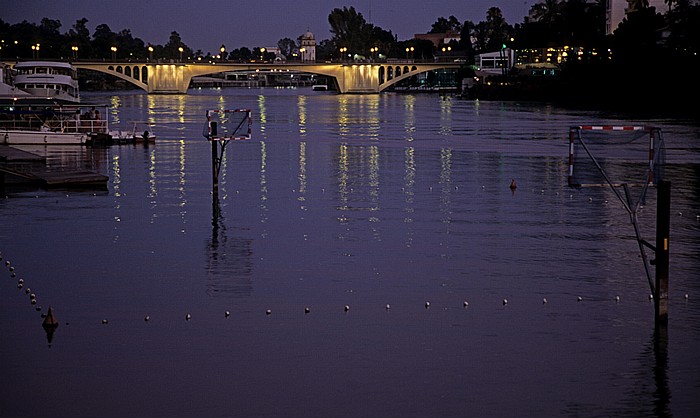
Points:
[(505, 301), (347, 308), (617, 298), (651, 297), (579, 298), (307, 310), (544, 301), (268, 312), (227, 314), (146, 318), (388, 306), (427, 305), (188, 317), (105, 322), (465, 304), (685, 296)]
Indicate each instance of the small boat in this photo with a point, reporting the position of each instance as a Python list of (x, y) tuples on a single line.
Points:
[(139, 132), (319, 87)]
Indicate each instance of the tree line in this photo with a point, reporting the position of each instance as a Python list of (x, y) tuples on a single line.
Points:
[(550, 23)]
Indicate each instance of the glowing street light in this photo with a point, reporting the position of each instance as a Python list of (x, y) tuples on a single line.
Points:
[(75, 52), (180, 49), (301, 51), (114, 53), (223, 51), (150, 53), (35, 51), (411, 49), (373, 51), (343, 50), (262, 54)]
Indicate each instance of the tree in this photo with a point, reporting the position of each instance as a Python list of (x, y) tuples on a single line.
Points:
[(349, 29), (443, 25), (287, 46)]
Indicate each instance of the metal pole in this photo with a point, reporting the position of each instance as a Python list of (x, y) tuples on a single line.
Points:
[(214, 168), (663, 224)]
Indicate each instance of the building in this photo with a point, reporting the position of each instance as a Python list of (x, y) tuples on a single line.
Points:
[(439, 38), (615, 11), (307, 47)]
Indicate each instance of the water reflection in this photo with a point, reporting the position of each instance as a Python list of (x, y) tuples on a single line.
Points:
[(229, 260), (301, 104)]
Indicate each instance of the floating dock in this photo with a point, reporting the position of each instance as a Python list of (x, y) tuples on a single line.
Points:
[(22, 167)]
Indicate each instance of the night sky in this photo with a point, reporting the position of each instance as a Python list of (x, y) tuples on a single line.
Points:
[(206, 25)]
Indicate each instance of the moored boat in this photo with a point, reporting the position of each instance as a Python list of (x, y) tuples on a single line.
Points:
[(51, 80), (33, 122)]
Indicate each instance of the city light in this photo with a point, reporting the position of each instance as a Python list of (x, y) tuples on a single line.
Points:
[(75, 52), (114, 53)]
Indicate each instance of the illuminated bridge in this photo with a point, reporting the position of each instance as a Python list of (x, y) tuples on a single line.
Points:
[(350, 77)]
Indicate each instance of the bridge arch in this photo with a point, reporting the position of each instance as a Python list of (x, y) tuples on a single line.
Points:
[(350, 77)]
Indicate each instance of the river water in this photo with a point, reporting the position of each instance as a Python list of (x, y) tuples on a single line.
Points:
[(395, 206)]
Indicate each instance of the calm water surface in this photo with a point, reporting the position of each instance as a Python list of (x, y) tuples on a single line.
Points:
[(364, 201)]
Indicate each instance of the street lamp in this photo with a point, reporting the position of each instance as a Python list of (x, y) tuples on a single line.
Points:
[(150, 53), (373, 50), (223, 51), (409, 50), (114, 53), (343, 50), (180, 49), (262, 54), (75, 52), (301, 52)]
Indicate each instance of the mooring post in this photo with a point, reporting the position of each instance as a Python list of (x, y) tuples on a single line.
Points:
[(663, 226)]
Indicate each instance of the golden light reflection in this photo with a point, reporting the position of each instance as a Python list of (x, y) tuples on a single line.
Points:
[(446, 117), (263, 184), (445, 183), (262, 111), (116, 185), (374, 188), (301, 105), (152, 190), (302, 175), (343, 192), (409, 181), (115, 103), (410, 116), (182, 178), (343, 119)]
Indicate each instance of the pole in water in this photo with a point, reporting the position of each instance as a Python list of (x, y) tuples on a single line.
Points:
[(663, 216)]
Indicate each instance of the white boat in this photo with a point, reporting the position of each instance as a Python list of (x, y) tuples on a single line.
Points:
[(43, 123), (57, 81), (137, 132)]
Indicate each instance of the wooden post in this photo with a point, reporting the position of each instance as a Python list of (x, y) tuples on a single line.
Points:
[(663, 224)]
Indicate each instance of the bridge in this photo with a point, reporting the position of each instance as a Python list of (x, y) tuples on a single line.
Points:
[(350, 77)]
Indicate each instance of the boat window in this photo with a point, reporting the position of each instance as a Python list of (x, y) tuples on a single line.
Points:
[(41, 70)]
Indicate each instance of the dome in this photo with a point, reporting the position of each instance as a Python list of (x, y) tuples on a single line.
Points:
[(308, 35)]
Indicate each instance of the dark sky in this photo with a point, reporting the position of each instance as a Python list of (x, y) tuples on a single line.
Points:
[(206, 25)]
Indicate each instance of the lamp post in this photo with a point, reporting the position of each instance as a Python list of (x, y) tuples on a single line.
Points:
[(150, 53), (180, 49), (301, 53), (114, 53), (373, 51), (75, 52), (343, 50), (223, 52), (262, 54)]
